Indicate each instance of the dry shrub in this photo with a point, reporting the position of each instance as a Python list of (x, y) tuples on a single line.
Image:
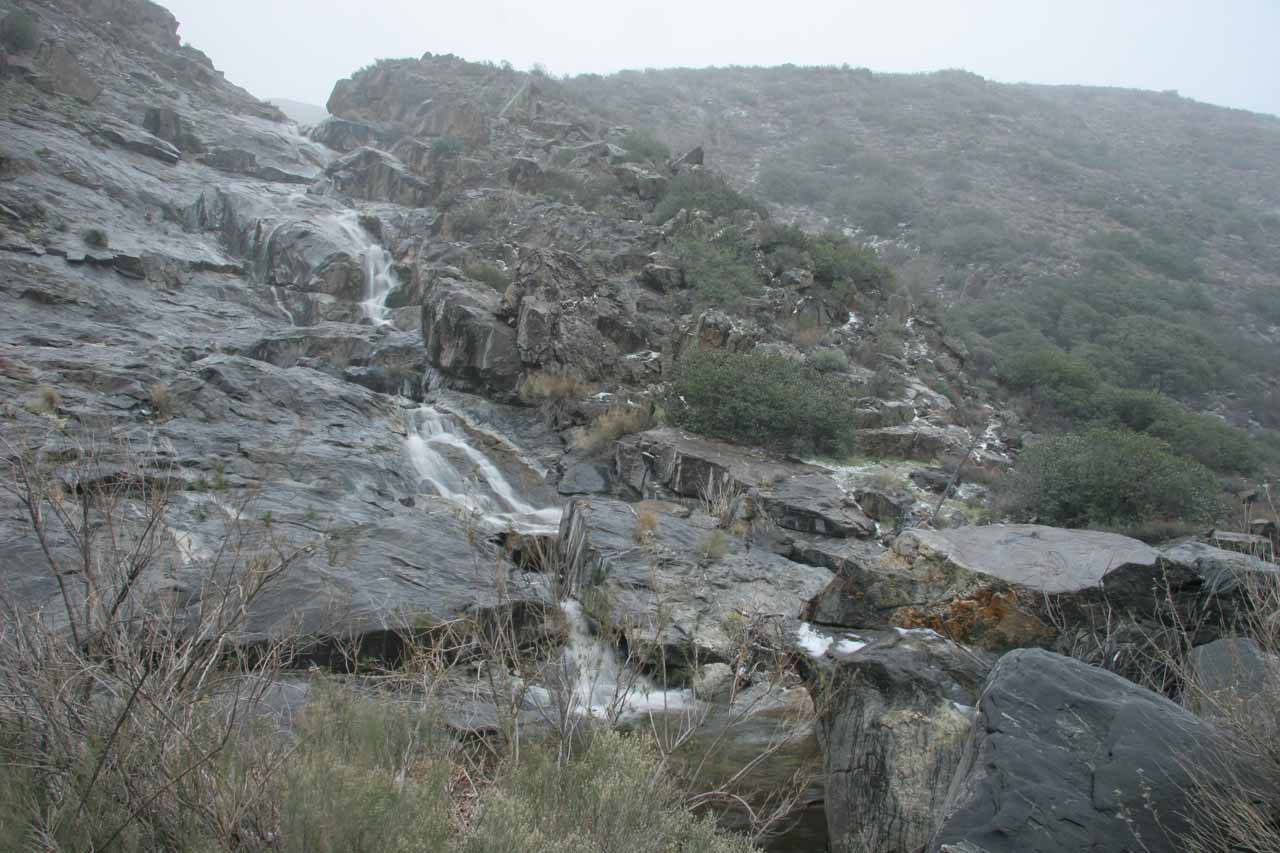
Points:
[(620, 419), (162, 400), (714, 547), (722, 498), (119, 699), (1236, 799), (646, 525), (544, 386), (46, 402)]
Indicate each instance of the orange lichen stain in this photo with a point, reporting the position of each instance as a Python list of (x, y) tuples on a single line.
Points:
[(987, 618)]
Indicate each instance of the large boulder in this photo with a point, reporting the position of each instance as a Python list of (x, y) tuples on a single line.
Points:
[(1067, 757), (981, 585), (654, 577), (796, 496), (375, 175), (345, 136), (893, 721), (1233, 678), (464, 337)]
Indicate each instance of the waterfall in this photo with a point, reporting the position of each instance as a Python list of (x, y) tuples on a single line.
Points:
[(379, 277), (602, 686), (439, 451)]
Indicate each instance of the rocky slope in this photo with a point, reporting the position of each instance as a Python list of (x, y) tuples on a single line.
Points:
[(426, 344)]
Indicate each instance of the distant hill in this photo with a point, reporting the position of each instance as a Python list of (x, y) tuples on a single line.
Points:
[(302, 113)]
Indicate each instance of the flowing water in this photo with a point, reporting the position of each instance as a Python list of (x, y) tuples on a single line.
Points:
[(380, 279), (441, 453), (595, 679)]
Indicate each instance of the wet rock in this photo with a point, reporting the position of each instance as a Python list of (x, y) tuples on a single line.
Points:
[(1065, 757), (344, 135), (61, 73), (377, 176), (886, 507), (933, 481), (167, 123), (998, 586), (713, 682), (692, 157), (665, 279), (585, 478), (893, 721), (525, 173), (652, 585), (918, 441), (139, 142), (796, 496), (464, 337)]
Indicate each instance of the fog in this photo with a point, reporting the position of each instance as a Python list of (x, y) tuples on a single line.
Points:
[(1223, 53)]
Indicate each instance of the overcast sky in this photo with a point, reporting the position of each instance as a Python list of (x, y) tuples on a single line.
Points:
[(1222, 52)]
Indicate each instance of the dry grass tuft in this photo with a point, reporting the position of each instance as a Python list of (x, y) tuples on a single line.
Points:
[(545, 386), (621, 419)]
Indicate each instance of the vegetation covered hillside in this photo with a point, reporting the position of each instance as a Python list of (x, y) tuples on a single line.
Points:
[(1101, 212)]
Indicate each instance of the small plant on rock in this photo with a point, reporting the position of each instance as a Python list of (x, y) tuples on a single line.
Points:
[(95, 237)]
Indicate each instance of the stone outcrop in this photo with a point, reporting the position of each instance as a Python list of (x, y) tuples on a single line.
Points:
[(990, 585), (796, 496), (669, 593), (374, 175), (464, 337), (1066, 757), (893, 721)]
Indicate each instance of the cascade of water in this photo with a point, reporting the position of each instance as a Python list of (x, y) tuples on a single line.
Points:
[(603, 686), (438, 449), (379, 277)]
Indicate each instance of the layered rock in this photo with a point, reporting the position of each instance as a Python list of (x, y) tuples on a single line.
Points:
[(893, 721), (796, 496), (677, 597)]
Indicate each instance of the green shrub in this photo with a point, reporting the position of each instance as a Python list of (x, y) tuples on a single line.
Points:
[(829, 361), (702, 190), (367, 775), (721, 272), (1049, 375), (446, 147), (1110, 477), (762, 399), (643, 146), (95, 237), (489, 273), (18, 31), (847, 267), (1147, 352), (608, 799), (1204, 438), (1265, 302)]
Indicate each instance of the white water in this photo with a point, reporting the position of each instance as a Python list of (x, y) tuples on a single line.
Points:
[(380, 279), (602, 686), (599, 685), (445, 461)]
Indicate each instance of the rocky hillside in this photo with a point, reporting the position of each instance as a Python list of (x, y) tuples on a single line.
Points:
[(507, 384)]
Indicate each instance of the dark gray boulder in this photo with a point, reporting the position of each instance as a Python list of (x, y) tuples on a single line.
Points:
[(585, 478), (1068, 757), (893, 721), (464, 337), (374, 175)]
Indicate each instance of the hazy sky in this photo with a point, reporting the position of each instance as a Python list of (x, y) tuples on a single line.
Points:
[(1223, 52)]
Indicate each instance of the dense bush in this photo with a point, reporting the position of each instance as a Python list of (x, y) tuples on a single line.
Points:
[(702, 190), (829, 361), (643, 146), (722, 272), (1202, 437), (762, 399), (1111, 477), (609, 799)]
